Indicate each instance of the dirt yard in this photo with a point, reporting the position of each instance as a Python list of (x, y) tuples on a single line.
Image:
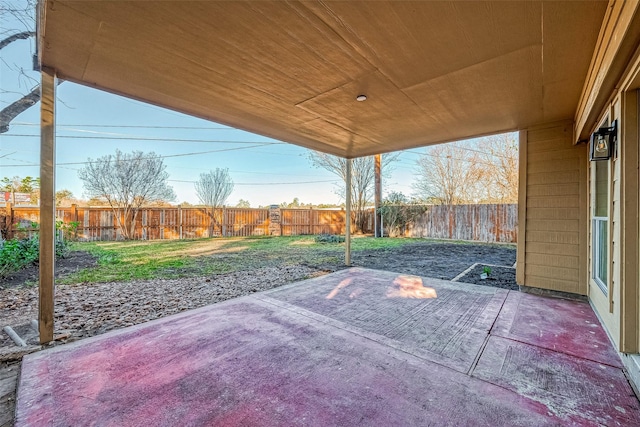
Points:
[(87, 309)]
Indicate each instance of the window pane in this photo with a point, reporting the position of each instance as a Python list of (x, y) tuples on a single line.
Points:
[(602, 262), (601, 205)]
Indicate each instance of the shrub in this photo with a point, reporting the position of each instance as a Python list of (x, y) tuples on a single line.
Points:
[(398, 214), (18, 253), (329, 238)]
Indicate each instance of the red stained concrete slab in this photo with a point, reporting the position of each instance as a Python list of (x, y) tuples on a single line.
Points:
[(356, 347), (438, 320), (577, 390), (566, 326), (247, 362)]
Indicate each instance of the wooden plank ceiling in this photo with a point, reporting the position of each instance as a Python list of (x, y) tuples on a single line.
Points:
[(432, 71)]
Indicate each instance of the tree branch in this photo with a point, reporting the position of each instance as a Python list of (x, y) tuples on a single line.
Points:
[(14, 37), (11, 111)]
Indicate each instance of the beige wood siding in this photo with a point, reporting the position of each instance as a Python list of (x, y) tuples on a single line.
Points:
[(608, 304), (553, 210)]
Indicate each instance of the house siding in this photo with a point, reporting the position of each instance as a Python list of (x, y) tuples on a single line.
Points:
[(554, 174)]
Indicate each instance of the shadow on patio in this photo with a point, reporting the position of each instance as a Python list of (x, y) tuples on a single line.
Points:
[(356, 347)]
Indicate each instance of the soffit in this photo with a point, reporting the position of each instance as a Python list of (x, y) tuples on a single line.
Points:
[(432, 71)]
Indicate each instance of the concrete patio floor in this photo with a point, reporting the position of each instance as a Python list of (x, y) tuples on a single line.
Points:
[(356, 347)]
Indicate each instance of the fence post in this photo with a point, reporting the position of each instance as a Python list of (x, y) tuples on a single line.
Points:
[(9, 220), (143, 225), (74, 218), (180, 220), (275, 221), (161, 226), (86, 231), (224, 221)]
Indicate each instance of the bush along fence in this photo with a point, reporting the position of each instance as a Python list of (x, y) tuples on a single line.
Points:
[(488, 223)]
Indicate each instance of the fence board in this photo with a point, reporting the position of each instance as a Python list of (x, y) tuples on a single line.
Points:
[(484, 223), (489, 223)]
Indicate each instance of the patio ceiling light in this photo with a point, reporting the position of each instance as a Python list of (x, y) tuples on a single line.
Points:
[(602, 142), (361, 98)]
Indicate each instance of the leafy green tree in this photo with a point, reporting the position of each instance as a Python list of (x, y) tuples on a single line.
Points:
[(20, 185), (63, 196), (16, 184)]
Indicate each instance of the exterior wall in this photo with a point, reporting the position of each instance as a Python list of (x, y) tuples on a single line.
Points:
[(611, 90), (553, 202), (619, 309)]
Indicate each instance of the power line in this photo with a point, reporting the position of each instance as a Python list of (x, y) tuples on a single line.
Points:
[(264, 183), (129, 126), (146, 158), (34, 165), (220, 141), (449, 157), (248, 172)]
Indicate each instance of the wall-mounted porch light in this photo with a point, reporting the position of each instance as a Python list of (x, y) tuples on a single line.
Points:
[(602, 142)]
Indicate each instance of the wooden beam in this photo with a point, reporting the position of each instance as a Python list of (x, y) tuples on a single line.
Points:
[(522, 208), (378, 195), (47, 205), (347, 237), (618, 37)]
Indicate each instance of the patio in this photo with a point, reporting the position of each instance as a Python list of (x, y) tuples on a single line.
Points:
[(356, 347)]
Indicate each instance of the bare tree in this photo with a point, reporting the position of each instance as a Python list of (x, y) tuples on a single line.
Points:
[(449, 174), (362, 178), (213, 189), (17, 22), (476, 171), (127, 181), (501, 151)]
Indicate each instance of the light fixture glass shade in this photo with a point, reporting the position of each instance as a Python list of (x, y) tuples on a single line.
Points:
[(601, 144)]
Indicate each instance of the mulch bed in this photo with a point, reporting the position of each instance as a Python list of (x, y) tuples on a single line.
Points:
[(440, 260), (75, 261), (500, 277)]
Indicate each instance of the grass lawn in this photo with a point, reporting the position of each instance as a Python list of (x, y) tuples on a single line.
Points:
[(121, 261)]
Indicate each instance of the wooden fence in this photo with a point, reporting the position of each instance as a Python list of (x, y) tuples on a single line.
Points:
[(484, 223), (101, 223), (488, 223)]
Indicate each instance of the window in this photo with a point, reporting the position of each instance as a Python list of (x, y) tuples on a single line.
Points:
[(600, 228)]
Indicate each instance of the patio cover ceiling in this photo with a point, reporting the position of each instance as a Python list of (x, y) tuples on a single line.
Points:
[(432, 71)]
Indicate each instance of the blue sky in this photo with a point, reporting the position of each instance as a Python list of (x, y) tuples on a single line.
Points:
[(92, 123)]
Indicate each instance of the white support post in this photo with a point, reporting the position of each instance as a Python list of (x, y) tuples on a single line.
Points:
[(347, 238), (47, 204)]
